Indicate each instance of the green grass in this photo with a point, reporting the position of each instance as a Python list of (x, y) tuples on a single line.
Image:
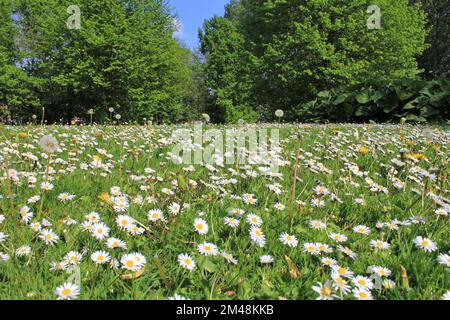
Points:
[(134, 148)]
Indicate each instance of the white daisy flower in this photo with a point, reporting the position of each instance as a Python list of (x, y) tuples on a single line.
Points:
[(68, 291)]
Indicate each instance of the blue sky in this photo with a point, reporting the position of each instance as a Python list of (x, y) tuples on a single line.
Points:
[(192, 13)]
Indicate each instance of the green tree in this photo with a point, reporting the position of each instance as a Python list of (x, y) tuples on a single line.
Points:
[(16, 87), (123, 56), (436, 59), (289, 50), (302, 47), (223, 47)]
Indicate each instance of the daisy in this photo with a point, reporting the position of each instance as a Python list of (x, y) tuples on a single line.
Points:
[(26, 214), (322, 247), (379, 244), (4, 257), (347, 251), (443, 259), (64, 197), (121, 204), (207, 249), (201, 226), (325, 291), (266, 259), (317, 224), (362, 294), (100, 230), (113, 243), (2, 218), (361, 229), (257, 236), (47, 186), (289, 240), (48, 236), (363, 282), (23, 251), (174, 208), (380, 271), (33, 199), (186, 261), (68, 291), (330, 262), (115, 191), (86, 226), (446, 296), (341, 284), (321, 190), (254, 219), (131, 262), (310, 248), (73, 257), (338, 237), (155, 215), (318, 203), (100, 257), (93, 217), (3, 236), (114, 264), (231, 222), (249, 199), (58, 266), (279, 206), (339, 271), (237, 212), (441, 212), (124, 222), (135, 230), (425, 244), (140, 258)]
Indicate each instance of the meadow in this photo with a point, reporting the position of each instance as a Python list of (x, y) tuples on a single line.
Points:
[(104, 212)]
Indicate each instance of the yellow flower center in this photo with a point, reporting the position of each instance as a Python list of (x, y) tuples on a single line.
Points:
[(326, 291), (66, 292)]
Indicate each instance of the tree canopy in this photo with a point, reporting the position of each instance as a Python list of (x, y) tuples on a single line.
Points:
[(292, 49), (71, 56)]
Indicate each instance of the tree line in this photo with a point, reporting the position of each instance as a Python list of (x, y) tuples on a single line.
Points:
[(264, 55), (123, 56), (260, 56)]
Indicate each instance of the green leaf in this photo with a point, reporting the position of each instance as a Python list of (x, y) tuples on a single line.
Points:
[(362, 97), (210, 266)]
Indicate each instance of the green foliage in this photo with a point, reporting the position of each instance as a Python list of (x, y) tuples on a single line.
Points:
[(16, 87), (288, 51), (436, 59), (196, 93), (124, 56), (224, 51), (382, 100)]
